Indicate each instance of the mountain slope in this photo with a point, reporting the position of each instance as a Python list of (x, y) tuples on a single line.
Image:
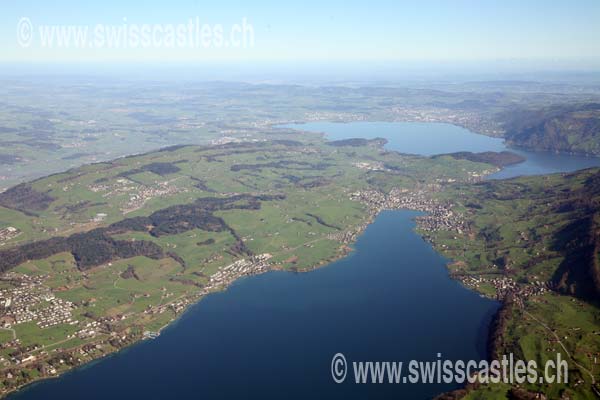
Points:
[(562, 128), (533, 243)]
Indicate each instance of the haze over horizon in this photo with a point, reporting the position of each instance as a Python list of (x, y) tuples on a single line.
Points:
[(343, 41), (335, 199)]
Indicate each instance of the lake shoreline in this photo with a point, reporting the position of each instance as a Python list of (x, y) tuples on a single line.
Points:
[(323, 264)]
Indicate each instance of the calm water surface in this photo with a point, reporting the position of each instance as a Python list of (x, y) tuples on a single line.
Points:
[(273, 336), (435, 138)]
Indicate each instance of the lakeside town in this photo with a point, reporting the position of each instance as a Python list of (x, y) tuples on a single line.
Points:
[(440, 216), (25, 299), (504, 287), (437, 216), (104, 332), (225, 276)]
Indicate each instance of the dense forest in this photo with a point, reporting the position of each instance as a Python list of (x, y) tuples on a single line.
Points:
[(562, 128), (97, 247)]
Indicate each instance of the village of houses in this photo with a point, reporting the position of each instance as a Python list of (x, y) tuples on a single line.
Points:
[(437, 217), (26, 299)]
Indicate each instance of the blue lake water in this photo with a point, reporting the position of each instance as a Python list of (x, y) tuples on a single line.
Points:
[(273, 336), (435, 138), (539, 163)]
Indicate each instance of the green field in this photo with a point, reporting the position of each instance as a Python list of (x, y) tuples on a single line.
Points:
[(139, 238), (537, 232)]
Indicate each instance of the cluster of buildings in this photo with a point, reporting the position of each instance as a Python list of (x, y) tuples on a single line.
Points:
[(178, 306), (89, 330), (469, 119), (120, 186), (227, 139), (441, 218), (506, 286), (28, 300), (332, 116), (99, 217), (347, 236), (57, 311), (439, 215), (226, 275), (370, 166), (142, 194), (254, 265), (8, 233), (311, 116), (138, 194)]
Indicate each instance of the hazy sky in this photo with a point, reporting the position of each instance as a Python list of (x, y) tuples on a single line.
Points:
[(336, 31)]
